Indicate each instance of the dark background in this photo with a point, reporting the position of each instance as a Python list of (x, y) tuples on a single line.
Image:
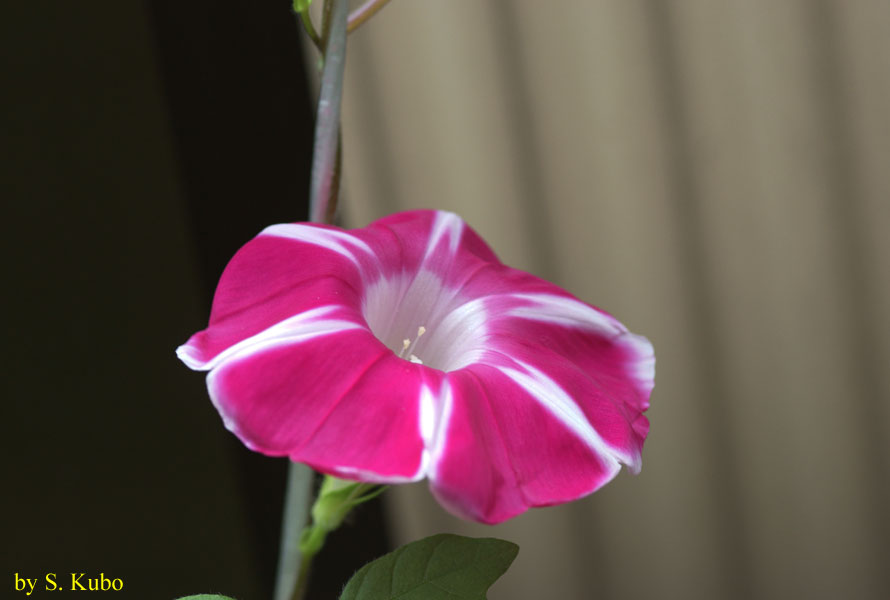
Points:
[(143, 143)]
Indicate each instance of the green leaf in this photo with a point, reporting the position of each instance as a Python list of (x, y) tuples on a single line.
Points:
[(205, 597), (441, 567), (301, 5)]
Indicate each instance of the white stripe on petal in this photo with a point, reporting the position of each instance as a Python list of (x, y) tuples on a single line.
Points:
[(574, 313), (326, 238), (435, 429), (373, 477), (427, 416), (565, 311), (427, 427), (560, 405), (643, 368), (295, 329), (445, 223)]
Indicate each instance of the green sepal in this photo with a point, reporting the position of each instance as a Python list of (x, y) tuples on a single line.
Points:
[(440, 567), (335, 499), (301, 5)]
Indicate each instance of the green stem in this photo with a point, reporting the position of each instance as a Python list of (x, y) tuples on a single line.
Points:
[(296, 512), (303, 580), (294, 565), (327, 125), (356, 19), (306, 19), (334, 192)]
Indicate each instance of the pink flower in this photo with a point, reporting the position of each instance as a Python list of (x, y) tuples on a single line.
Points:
[(406, 350)]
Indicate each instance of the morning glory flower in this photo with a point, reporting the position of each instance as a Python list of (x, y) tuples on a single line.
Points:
[(406, 350)]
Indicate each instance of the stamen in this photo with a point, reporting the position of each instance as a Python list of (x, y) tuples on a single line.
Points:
[(408, 347), (420, 331)]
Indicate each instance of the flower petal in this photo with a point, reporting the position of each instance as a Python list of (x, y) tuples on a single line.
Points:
[(271, 279), (632, 357), (342, 403), (556, 400), (505, 451), (435, 241), (607, 371)]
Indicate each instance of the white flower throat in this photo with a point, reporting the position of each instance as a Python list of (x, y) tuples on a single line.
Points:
[(425, 322)]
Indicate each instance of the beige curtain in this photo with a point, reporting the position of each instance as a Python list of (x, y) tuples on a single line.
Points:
[(717, 175)]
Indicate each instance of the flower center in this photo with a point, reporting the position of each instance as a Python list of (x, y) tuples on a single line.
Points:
[(425, 322)]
